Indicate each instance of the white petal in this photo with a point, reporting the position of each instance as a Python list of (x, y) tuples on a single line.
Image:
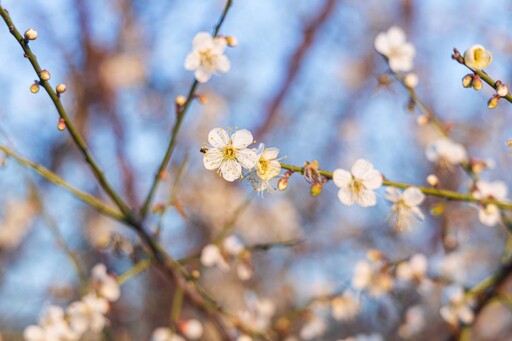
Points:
[(417, 213), (247, 158), (381, 44), (372, 179), (490, 215), (218, 138), (346, 196), (360, 168), (413, 196), (270, 153), (213, 158), (366, 198), (396, 36), (242, 138), (203, 75), (34, 333), (202, 41), (393, 194), (231, 170), (219, 45), (210, 255), (161, 334), (193, 61), (222, 64), (341, 178)]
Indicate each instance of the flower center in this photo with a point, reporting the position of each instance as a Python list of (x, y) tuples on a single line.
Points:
[(263, 165), (207, 59), (356, 186), (229, 152)]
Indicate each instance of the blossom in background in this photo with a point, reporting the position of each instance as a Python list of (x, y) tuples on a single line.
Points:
[(15, 223), (459, 307), (356, 186), (372, 277), (489, 214), (192, 329), (405, 211), (207, 57), (413, 269), (345, 307), (364, 337), (414, 322), (313, 328), (229, 154), (212, 256), (393, 45), (477, 57), (52, 326), (88, 314), (105, 285), (446, 153), (165, 334), (259, 312), (267, 167)]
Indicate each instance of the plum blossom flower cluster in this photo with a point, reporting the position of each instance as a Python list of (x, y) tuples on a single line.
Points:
[(84, 316), (231, 250)]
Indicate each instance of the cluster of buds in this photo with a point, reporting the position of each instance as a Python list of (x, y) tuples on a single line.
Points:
[(501, 91), (282, 184), (472, 80)]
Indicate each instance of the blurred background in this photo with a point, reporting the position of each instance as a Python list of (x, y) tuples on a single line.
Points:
[(304, 78)]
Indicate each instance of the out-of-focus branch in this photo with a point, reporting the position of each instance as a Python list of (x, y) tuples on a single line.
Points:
[(295, 63), (52, 177), (77, 138)]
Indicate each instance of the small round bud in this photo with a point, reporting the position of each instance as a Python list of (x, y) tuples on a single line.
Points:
[(30, 34), (231, 41), (34, 88), (180, 100), (45, 75), (477, 83), (422, 120), (61, 88), (61, 125), (192, 329), (282, 184), (501, 89), (467, 80), (493, 102), (202, 98), (509, 143), (411, 80), (374, 255), (433, 180)]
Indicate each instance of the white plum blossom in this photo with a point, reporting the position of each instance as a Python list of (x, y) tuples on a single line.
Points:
[(393, 45), (489, 214), (105, 284), (414, 322), (477, 57), (371, 276), (413, 269), (458, 309), (313, 328), (259, 312), (356, 186), (447, 153), (267, 167), (345, 307), (228, 154), (88, 314), (165, 334), (233, 245), (207, 57), (52, 326), (405, 211), (212, 256)]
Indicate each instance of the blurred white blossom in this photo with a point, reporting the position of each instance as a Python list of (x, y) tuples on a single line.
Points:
[(446, 153), (105, 284), (414, 269), (458, 310), (489, 214), (165, 334), (393, 45), (313, 328), (207, 57), (414, 322), (345, 307), (405, 211), (372, 277)]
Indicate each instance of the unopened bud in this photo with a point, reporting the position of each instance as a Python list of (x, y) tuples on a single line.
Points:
[(422, 120), (501, 89), (62, 124), (509, 143), (34, 88), (192, 329), (477, 83), (231, 41), (411, 80), (202, 98), (61, 88), (180, 100), (374, 255), (45, 75), (30, 34), (467, 80), (316, 189), (433, 180), (282, 184), (493, 102)]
